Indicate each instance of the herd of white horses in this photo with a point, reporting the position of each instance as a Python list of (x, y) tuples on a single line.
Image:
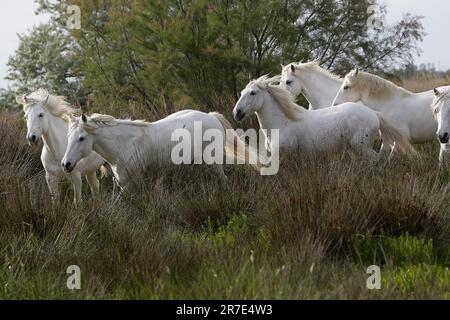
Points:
[(350, 112)]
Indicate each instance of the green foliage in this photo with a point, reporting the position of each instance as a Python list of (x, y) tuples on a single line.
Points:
[(399, 251), (44, 59), (419, 280), (7, 98), (165, 54)]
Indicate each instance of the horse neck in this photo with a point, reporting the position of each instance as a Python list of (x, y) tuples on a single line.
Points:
[(115, 143), (388, 101), (270, 116), (55, 139), (319, 88)]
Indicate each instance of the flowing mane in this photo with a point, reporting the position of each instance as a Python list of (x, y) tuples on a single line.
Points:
[(56, 105), (378, 87), (98, 120), (284, 98), (311, 66), (441, 98)]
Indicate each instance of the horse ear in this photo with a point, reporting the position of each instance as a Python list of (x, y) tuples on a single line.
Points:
[(84, 118), (437, 93), (292, 68), (20, 99)]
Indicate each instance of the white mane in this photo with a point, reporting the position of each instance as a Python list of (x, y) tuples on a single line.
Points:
[(98, 120), (444, 96), (56, 105), (378, 87), (310, 66), (284, 98)]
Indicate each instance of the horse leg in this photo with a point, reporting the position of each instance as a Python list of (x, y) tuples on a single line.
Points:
[(443, 157), (393, 152), (363, 146), (119, 192), (117, 189), (93, 182), (77, 183), (385, 150), (370, 154), (53, 186)]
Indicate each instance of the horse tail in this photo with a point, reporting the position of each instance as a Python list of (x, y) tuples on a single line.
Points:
[(391, 135), (232, 138)]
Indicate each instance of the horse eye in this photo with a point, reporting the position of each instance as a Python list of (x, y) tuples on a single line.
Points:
[(253, 93), (346, 87), (41, 115), (289, 82), (82, 139)]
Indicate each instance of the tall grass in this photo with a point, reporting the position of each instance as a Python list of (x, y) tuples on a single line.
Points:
[(309, 232), (424, 81)]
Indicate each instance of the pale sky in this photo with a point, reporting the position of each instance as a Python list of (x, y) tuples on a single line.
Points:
[(17, 16), (436, 46)]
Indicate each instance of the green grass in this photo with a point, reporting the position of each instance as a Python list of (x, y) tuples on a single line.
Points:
[(308, 233)]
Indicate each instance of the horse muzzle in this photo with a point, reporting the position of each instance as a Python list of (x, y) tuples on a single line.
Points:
[(444, 138), (67, 166), (239, 115), (32, 139)]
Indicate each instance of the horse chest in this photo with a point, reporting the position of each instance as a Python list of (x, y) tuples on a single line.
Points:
[(51, 163)]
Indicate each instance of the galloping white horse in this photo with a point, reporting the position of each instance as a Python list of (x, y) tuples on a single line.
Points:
[(318, 85), (129, 146), (316, 131), (441, 111), (409, 112), (46, 117)]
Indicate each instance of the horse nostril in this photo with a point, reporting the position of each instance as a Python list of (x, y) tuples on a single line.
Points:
[(32, 139), (67, 164), (443, 138)]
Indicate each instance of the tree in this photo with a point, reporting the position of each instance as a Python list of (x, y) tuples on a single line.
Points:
[(164, 53), (44, 58), (7, 98)]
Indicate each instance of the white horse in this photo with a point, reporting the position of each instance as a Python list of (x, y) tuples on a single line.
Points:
[(130, 146), (318, 85), (409, 112), (46, 117), (441, 111), (317, 131)]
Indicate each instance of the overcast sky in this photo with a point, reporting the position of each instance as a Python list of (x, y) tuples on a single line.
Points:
[(435, 47), (17, 16)]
